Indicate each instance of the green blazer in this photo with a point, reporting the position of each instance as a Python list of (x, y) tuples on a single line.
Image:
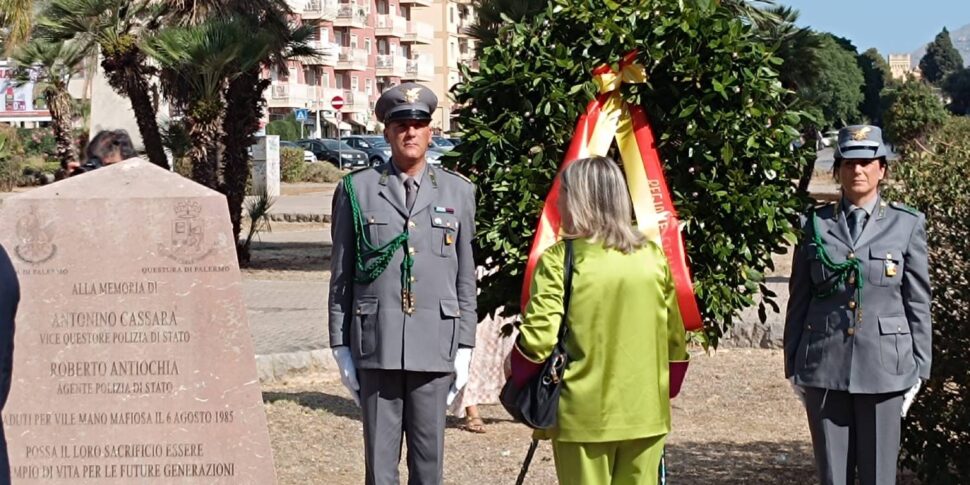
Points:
[(624, 327)]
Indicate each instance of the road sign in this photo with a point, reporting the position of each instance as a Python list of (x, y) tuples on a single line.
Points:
[(301, 114), (337, 102)]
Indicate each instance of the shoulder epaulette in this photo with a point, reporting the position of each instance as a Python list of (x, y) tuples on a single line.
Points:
[(904, 208), (466, 179)]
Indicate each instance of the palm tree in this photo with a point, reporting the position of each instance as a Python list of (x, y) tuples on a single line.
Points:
[(15, 19), (198, 63), (51, 65), (114, 28)]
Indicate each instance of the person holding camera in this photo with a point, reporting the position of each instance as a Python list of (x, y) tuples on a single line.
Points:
[(106, 148)]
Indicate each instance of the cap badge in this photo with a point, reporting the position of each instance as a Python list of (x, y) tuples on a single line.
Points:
[(411, 95), (862, 133)]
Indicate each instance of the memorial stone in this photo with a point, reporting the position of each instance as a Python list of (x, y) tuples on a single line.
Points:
[(133, 361)]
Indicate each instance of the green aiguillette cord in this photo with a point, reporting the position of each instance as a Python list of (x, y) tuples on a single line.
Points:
[(377, 257), (842, 270)]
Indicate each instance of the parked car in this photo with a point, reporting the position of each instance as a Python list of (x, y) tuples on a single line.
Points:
[(308, 156), (327, 149), (441, 143), (377, 149)]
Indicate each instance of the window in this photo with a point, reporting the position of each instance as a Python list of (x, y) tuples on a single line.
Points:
[(354, 84), (353, 41), (382, 47), (369, 86), (340, 81), (367, 45), (338, 35), (325, 79)]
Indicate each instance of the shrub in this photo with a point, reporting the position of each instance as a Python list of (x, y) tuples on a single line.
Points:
[(322, 172), (9, 171), (723, 121), (933, 178), (913, 111), (38, 141), (292, 165)]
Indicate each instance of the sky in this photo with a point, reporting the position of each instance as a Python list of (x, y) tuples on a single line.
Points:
[(892, 26)]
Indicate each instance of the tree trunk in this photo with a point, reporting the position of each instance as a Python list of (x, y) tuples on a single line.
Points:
[(243, 112), (128, 75), (61, 120), (204, 134)]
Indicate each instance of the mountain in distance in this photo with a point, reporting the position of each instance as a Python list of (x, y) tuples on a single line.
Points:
[(961, 40)]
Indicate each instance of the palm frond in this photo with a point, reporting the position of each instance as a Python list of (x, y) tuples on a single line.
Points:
[(16, 16)]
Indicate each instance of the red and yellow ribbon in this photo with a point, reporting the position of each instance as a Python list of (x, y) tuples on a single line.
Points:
[(608, 117)]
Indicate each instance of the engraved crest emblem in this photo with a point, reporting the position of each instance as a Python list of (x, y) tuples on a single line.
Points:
[(36, 243), (188, 239), (411, 95)]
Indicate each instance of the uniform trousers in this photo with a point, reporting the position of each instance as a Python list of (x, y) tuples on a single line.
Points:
[(854, 433), (413, 403), (630, 462)]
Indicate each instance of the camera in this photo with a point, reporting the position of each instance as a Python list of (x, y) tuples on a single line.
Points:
[(91, 164)]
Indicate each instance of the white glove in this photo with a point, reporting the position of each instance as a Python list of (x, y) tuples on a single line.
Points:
[(798, 390), (463, 360), (909, 397), (348, 372)]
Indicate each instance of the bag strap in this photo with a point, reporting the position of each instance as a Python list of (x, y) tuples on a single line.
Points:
[(567, 285)]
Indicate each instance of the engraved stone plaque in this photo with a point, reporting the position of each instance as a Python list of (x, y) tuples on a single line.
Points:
[(133, 361)]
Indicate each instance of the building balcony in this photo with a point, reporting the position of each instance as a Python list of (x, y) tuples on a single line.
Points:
[(317, 9), (420, 69), (417, 3), (351, 60), (419, 33), (355, 102), (391, 26), (351, 15), (391, 65), (469, 59), (287, 95), (329, 53)]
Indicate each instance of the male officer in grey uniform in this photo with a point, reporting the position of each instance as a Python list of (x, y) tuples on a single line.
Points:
[(9, 299), (402, 291), (857, 330)]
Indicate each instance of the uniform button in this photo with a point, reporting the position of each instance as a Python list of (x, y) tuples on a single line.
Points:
[(851, 304), (458, 313), (809, 327), (371, 220), (851, 331), (852, 279), (411, 251), (358, 311), (413, 279), (411, 224), (851, 255), (899, 329)]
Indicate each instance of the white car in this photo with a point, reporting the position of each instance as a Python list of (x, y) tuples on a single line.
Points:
[(308, 156)]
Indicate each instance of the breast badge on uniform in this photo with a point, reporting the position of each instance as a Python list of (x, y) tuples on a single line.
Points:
[(890, 265)]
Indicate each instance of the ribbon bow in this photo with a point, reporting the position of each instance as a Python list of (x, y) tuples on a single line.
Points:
[(608, 117)]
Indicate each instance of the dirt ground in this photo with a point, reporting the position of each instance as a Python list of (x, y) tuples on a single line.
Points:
[(736, 422)]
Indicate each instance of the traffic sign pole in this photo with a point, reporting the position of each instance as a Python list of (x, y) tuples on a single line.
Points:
[(338, 102)]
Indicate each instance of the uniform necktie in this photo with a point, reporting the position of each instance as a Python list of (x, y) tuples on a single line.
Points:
[(410, 192), (857, 220)]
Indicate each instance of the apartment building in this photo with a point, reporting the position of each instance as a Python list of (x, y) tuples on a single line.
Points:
[(367, 46)]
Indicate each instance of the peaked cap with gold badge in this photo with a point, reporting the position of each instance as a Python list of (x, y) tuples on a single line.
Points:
[(408, 101), (860, 141)]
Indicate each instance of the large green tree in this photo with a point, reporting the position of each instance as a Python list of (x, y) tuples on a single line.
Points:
[(913, 112), (837, 88), (941, 58), (724, 126), (875, 74), (957, 87)]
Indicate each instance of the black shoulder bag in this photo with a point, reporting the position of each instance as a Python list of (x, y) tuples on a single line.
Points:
[(537, 403)]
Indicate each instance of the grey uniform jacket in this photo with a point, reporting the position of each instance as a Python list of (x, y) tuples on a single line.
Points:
[(877, 344), (369, 317)]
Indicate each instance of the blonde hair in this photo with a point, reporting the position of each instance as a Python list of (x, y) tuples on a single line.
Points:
[(594, 204)]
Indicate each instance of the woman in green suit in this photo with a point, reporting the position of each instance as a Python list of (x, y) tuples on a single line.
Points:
[(624, 328)]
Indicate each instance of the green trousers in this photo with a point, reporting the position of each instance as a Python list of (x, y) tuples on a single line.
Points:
[(633, 462)]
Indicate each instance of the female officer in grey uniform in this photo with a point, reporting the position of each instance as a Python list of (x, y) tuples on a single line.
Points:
[(857, 329)]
